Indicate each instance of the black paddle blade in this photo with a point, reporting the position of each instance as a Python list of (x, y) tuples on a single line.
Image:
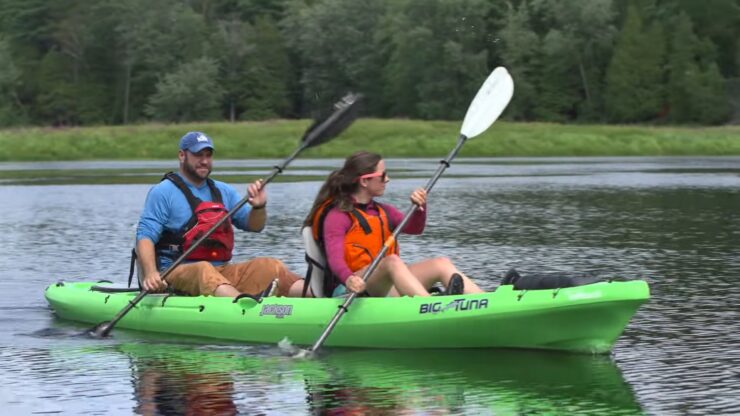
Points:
[(326, 128)]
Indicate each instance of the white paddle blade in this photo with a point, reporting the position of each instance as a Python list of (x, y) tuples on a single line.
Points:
[(488, 104)]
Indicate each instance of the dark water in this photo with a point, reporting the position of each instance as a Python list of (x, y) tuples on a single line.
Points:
[(671, 221)]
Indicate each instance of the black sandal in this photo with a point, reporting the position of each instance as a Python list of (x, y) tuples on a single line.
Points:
[(456, 286)]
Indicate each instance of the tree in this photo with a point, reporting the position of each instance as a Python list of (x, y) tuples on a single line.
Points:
[(522, 51), (268, 74), (437, 56), (577, 37), (334, 43), (717, 21), (254, 68), (634, 78), (10, 113), (696, 87), (190, 93), (560, 89), (247, 11), (28, 24), (83, 43), (28, 27), (231, 48), (152, 38), (56, 101)]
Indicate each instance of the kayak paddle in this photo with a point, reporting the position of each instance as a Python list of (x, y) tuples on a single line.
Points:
[(321, 131), (492, 98)]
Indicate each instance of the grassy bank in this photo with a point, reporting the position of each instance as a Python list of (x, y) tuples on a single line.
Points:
[(392, 138)]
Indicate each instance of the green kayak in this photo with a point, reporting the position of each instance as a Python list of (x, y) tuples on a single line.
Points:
[(586, 318)]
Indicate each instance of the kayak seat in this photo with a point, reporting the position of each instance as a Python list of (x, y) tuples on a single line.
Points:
[(316, 274), (555, 280)]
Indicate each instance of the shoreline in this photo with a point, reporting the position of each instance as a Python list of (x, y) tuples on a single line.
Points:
[(315, 169)]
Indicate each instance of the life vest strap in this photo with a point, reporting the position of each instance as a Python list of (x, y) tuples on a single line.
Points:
[(192, 199), (131, 267), (361, 220)]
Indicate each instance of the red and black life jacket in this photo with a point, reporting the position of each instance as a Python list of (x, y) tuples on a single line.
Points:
[(219, 245)]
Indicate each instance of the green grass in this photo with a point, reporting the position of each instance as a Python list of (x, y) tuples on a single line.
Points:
[(391, 138)]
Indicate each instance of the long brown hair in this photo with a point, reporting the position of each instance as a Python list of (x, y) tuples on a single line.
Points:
[(342, 183)]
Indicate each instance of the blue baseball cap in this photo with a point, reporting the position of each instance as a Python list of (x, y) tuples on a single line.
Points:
[(195, 141)]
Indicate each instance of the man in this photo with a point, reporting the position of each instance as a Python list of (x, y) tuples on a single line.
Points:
[(181, 208)]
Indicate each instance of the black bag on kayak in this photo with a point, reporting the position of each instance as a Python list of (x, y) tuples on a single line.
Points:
[(534, 281)]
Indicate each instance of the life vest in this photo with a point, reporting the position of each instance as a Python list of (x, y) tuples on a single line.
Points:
[(362, 243), (366, 237), (219, 245)]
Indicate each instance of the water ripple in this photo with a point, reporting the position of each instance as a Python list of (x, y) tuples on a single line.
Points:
[(671, 221)]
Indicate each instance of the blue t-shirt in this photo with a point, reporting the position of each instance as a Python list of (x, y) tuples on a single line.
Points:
[(167, 208)]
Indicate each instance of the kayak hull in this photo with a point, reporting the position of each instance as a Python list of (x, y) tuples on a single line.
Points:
[(586, 318)]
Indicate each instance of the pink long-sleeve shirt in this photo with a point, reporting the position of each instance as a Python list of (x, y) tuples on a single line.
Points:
[(338, 223)]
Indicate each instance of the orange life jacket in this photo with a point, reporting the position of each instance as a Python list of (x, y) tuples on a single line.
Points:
[(365, 237)]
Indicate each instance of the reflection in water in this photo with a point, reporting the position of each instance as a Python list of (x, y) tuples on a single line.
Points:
[(191, 380), (160, 389), (501, 381)]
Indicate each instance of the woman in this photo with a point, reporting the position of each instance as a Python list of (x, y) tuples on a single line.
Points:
[(352, 228)]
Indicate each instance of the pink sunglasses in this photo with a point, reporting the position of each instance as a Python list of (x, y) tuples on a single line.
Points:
[(383, 176)]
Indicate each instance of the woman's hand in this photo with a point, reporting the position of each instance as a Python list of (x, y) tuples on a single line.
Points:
[(355, 284), (419, 198), (257, 196)]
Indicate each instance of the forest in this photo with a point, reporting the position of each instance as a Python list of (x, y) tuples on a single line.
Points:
[(119, 62)]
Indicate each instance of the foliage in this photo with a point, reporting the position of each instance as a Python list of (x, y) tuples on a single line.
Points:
[(523, 53), (336, 52), (190, 93), (231, 48), (9, 75), (634, 89), (266, 82), (696, 88), (440, 63), (118, 61)]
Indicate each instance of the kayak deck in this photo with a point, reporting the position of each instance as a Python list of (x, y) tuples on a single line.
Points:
[(586, 318)]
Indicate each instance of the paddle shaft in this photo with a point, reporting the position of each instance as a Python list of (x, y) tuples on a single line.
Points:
[(276, 171), (443, 165)]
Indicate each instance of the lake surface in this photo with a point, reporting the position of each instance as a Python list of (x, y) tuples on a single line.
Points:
[(673, 222)]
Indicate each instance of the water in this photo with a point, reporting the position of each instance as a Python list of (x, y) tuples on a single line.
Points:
[(671, 221)]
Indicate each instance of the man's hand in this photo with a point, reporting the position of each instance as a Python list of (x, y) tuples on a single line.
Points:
[(257, 196), (154, 283)]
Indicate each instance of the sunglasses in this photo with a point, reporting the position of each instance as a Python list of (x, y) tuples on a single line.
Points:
[(383, 176)]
